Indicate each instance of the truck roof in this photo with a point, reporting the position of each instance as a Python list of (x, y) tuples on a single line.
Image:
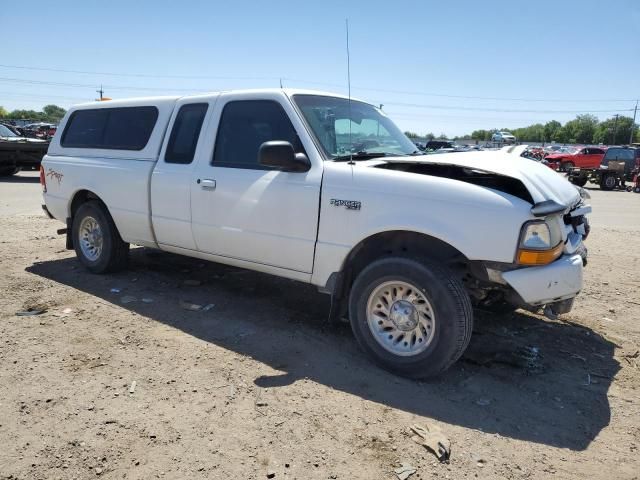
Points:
[(156, 100)]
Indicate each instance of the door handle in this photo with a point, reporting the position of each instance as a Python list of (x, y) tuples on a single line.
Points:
[(207, 184)]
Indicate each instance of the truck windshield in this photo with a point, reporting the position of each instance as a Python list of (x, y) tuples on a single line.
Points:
[(343, 130)]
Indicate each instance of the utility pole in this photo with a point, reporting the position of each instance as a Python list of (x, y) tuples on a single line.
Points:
[(633, 124), (615, 130), (101, 92)]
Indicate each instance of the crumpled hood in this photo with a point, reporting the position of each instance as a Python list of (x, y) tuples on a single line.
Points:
[(542, 183), (558, 156)]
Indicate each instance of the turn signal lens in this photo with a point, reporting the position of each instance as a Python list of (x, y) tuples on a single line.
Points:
[(539, 257)]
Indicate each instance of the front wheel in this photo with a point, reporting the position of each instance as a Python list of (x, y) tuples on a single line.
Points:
[(566, 166), (96, 239), (579, 181), (412, 318)]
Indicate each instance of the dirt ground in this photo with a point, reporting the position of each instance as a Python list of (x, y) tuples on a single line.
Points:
[(259, 384)]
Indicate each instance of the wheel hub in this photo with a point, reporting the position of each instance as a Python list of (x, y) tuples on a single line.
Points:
[(91, 239), (404, 315), (401, 318)]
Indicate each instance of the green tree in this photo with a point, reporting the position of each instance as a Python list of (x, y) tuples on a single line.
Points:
[(429, 136), (532, 133), (605, 131), (411, 134), (53, 113), (581, 129), (551, 130), (3, 112), (26, 114), (481, 135)]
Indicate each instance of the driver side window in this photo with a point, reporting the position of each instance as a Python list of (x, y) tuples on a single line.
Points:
[(247, 124)]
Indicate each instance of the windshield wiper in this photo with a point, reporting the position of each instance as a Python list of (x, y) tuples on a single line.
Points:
[(365, 156)]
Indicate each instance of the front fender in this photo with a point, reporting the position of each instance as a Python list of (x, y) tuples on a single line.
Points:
[(481, 223)]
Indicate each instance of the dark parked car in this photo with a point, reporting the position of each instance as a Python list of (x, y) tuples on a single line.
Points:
[(438, 144), (40, 130), (18, 152)]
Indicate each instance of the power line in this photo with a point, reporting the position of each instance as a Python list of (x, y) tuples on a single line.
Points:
[(135, 75), (22, 81), (30, 95), (411, 105), (310, 82), (502, 110), (467, 97)]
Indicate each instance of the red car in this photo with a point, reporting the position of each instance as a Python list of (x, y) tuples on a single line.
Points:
[(583, 157)]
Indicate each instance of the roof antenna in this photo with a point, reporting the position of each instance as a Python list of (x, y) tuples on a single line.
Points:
[(280, 82), (349, 92)]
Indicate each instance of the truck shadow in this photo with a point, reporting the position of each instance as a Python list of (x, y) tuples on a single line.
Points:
[(522, 377), (20, 178)]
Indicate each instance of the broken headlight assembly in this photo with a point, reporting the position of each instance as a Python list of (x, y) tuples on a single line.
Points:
[(540, 242)]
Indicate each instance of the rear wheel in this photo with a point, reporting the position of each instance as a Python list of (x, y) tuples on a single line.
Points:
[(412, 318), (8, 171), (96, 239), (608, 182)]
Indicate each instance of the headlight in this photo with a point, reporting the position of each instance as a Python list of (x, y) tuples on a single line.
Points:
[(540, 242)]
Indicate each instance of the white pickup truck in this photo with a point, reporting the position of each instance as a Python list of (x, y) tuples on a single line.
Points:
[(325, 190)]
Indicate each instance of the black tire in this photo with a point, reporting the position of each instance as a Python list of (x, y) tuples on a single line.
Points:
[(115, 252), (451, 307), (8, 171), (580, 182), (608, 182)]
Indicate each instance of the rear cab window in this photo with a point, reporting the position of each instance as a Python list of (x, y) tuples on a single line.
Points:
[(121, 128), (185, 133)]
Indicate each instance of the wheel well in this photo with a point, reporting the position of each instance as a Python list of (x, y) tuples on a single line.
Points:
[(81, 196), (402, 244)]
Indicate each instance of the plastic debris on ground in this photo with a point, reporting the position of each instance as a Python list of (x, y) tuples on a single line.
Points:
[(192, 307), (404, 471), (30, 312), (432, 438)]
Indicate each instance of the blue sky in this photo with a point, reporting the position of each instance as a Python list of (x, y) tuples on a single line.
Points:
[(517, 62)]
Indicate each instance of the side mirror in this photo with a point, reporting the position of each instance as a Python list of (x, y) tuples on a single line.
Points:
[(280, 155)]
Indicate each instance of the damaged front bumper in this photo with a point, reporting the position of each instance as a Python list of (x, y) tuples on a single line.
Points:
[(548, 284)]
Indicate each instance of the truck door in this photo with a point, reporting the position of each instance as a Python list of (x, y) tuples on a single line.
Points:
[(171, 178), (594, 157), (242, 210)]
